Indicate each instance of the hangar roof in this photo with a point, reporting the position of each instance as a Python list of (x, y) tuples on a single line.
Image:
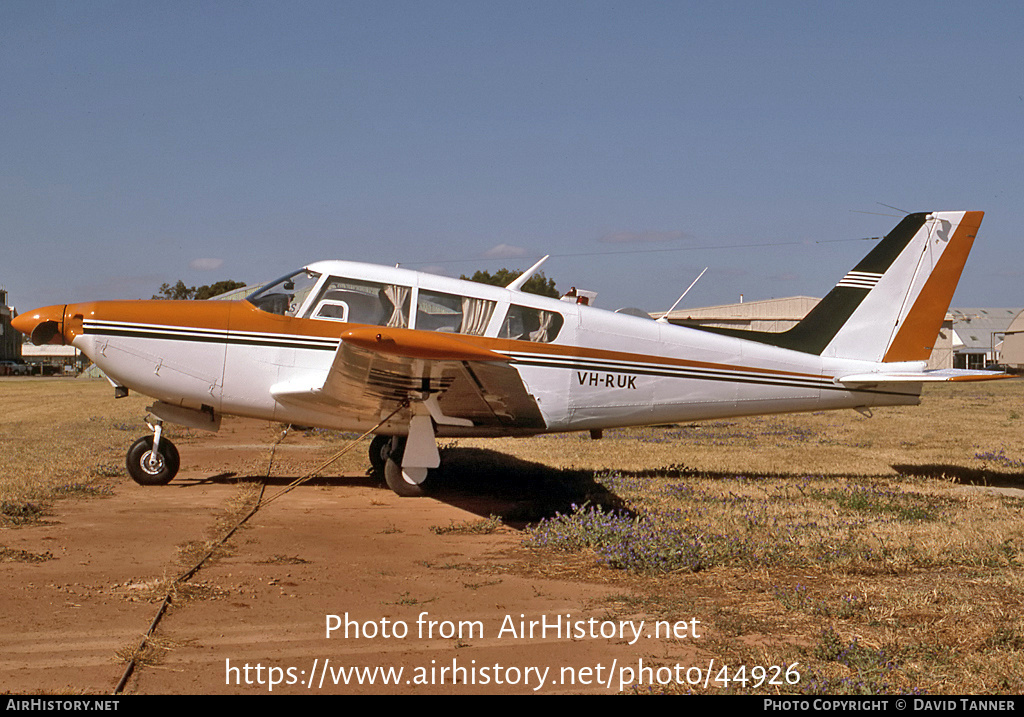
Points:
[(974, 327)]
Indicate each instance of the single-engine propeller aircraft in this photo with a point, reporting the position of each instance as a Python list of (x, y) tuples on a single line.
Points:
[(342, 345)]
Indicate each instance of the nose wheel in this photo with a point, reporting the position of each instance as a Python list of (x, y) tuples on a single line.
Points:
[(153, 460)]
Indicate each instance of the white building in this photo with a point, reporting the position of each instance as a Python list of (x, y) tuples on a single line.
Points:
[(979, 336)]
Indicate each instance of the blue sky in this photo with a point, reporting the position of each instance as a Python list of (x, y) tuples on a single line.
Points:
[(638, 142)]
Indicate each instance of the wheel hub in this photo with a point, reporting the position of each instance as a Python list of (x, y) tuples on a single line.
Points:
[(152, 462)]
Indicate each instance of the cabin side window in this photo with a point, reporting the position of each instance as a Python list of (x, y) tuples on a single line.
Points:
[(363, 302), (524, 323), (453, 314)]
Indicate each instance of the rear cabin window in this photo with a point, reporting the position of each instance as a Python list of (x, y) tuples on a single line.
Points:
[(452, 314), (523, 323), (363, 302)]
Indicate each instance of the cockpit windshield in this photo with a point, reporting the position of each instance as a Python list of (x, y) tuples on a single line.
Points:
[(286, 295)]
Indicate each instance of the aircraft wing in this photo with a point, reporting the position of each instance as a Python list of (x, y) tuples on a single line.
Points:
[(376, 368), (947, 374)]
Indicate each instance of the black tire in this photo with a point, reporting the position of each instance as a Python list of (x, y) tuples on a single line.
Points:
[(380, 449), (397, 481), (145, 471), (393, 471)]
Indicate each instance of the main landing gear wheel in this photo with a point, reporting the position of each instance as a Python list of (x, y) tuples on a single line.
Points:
[(406, 482), (148, 467), (380, 449)]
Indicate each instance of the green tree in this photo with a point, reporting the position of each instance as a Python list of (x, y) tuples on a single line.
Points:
[(536, 284), (180, 291), (221, 287), (177, 292)]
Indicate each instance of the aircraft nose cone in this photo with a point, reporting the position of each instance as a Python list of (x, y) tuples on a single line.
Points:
[(42, 326)]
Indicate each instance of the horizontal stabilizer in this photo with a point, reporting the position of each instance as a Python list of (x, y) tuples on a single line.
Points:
[(948, 374)]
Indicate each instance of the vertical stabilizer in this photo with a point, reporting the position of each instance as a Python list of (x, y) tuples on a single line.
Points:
[(899, 316), (890, 306)]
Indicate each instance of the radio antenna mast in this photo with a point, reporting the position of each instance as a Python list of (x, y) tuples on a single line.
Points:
[(664, 317)]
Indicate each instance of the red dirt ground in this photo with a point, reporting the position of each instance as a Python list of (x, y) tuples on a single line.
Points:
[(342, 545)]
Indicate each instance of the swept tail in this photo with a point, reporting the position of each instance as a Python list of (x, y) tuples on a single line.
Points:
[(890, 307)]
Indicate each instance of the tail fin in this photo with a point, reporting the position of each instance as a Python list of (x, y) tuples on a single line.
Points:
[(890, 307)]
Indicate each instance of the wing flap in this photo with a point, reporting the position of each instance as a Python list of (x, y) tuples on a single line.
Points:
[(462, 386)]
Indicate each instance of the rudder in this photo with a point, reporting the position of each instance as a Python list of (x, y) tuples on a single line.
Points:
[(899, 317), (890, 306)]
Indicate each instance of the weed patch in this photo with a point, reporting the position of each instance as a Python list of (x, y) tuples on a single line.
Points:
[(871, 671), (999, 458), (621, 541), (10, 555), (484, 526), (874, 500), (82, 490), (803, 599), (20, 513)]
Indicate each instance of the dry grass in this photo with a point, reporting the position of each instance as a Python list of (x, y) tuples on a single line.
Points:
[(883, 554), (61, 437)]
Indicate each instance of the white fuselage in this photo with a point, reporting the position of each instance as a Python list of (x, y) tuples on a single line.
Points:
[(602, 370)]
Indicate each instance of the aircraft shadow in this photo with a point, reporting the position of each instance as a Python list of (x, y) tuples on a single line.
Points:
[(943, 472), (489, 483), (963, 475), (277, 481), (520, 492), (477, 480)]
